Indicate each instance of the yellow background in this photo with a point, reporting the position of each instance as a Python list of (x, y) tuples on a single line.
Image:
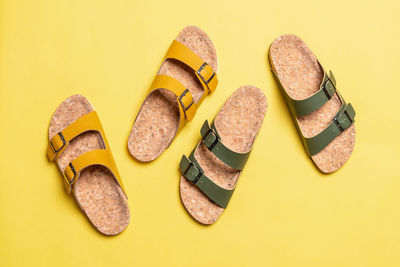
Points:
[(283, 213)]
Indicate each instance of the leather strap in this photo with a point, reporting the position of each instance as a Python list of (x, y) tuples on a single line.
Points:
[(192, 171), (88, 122), (187, 106), (212, 141), (324, 94), (342, 120), (205, 74), (101, 157)]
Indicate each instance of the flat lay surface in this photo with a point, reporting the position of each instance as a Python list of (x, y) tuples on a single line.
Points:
[(284, 212)]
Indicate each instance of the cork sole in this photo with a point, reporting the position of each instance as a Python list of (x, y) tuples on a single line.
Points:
[(158, 119), (96, 191), (238, 123), (301, 75)]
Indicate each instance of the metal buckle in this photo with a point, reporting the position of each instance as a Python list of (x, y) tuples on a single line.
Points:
[(62, 139), (214, 135), (194, 166), (201, 76), (70, 182), (326, 90), (182, 104), (338, 124)]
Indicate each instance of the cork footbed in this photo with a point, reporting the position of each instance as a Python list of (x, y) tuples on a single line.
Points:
[(301, 75), (96, 191), (158, 120), (237, 123)]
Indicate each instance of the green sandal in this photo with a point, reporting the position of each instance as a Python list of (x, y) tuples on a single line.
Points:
[(210, 173), (325, 122)]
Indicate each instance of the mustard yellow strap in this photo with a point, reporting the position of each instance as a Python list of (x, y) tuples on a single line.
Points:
[(187, 106), (88, 122), (203, 71), (102, 157)]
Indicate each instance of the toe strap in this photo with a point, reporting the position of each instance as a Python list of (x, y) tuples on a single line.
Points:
[(204, 72), (212, 141), (87, 122)]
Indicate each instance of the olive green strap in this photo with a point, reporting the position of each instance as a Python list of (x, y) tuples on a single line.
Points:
[(315, 101), (342, 120), (192, 171), (212, 141), (324, 94)]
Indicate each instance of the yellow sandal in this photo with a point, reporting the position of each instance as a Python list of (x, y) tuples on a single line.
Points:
[(186, 77), (79, 147)]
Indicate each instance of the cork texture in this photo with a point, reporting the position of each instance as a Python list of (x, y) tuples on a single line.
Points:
[(96, 191), (301, 75), (238, 123), (157, 122)]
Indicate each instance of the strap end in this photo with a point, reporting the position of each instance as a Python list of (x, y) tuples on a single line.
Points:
[(50, 154), (332, 77), (184, 164)]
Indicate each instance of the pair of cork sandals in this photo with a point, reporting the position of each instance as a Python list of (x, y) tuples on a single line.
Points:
[(77, 142)]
